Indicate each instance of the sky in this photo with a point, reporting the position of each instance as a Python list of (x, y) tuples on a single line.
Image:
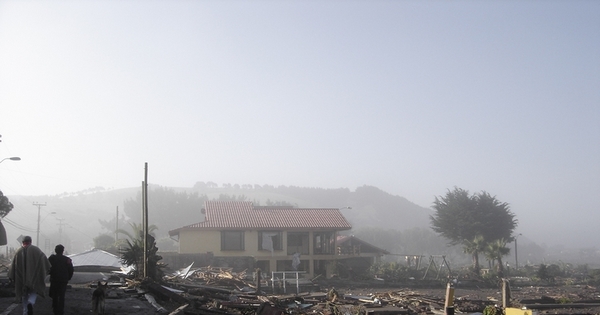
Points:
[(413, 97)]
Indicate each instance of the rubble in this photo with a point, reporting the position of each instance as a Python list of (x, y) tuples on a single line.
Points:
[(220, 291)]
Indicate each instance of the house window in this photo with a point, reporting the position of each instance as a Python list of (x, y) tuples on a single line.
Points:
[(324, 242), (268, 240), (232, 240), (297, 242)]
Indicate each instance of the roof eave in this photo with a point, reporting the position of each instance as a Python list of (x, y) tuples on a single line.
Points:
[(200, 228)]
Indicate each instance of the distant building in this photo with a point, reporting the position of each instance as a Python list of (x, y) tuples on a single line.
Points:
[(96, 259)]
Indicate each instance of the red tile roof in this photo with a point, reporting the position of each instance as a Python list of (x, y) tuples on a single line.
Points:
[(228, 215)]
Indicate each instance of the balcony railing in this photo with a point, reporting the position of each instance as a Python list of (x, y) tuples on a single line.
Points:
[(348, 250)]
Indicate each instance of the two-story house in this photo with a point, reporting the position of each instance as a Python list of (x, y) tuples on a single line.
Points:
[(277, 238)]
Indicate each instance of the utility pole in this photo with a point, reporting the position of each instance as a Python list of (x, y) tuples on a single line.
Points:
[(516, 256), (117, 226), (145, 218), (39, 205), (60, 225)]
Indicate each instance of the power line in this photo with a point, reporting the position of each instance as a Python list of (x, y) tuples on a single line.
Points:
[(18, 226), (15, 224), (66, 224)]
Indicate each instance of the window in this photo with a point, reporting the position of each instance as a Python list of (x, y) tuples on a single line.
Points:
[(232, 240), (268, 240), (297, 242), (324, 242)]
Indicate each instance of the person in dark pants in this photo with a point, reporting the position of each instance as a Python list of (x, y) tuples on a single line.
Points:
[(28, 271), (61, 271)]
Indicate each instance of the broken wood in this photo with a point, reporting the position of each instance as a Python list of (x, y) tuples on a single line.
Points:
[(163, 293), (155, 304), (179, 310)]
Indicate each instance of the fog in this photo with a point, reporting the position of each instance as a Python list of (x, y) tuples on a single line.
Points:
[(412, 97)]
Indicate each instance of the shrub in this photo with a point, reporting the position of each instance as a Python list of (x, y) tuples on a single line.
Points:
[(391, 272), (493, 310)]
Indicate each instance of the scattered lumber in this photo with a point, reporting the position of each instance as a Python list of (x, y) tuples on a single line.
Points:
[(220, 291)]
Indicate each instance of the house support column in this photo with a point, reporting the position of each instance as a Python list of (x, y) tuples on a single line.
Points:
[(311, 253), (330, 269)]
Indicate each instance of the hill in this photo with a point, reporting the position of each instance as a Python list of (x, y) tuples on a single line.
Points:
[(79, 217)]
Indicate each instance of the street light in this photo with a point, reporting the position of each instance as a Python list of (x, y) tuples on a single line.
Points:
[(14, 158), (516, 256), (47, 216)]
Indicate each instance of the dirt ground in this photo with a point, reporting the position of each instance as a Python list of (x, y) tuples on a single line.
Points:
[(130, 302), (78, 301), (568, 299)]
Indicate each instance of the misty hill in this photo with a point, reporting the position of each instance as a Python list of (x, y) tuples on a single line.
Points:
[(81, 213), (392, 222)]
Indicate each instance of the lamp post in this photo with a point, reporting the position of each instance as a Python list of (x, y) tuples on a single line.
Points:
[(516, 255), (14, 158)]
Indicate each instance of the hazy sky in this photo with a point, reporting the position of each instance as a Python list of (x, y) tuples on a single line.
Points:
[(413, 97)]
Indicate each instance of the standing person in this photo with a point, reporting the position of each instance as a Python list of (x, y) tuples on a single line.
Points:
[(28, 270), (60, 274)]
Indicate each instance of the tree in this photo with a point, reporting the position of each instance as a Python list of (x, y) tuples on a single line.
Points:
[(105, 242), (279, 204), (5, 205), (544, 274), (133, 253), (460, 217), (474, 247), (498, 221), (137, 229), (167, 208), (494, 251), (472, 220)]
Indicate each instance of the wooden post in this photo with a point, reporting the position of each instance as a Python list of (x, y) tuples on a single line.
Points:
[(505, 293), (258, 280), (449, 304)]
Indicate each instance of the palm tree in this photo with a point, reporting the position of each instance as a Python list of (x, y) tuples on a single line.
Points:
[(137, 230), (133, 253), (495, 251), (474, 247)]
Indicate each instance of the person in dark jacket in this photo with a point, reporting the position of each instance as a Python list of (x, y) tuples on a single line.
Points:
[(61, 271), (28, 271)]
